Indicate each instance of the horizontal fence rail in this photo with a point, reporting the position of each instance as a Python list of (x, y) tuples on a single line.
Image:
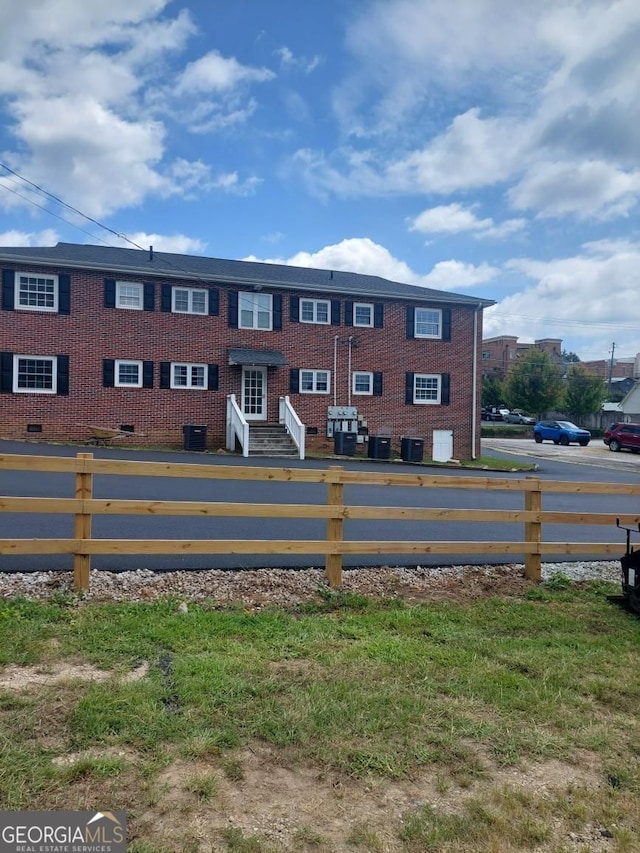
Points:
[(83, 507)]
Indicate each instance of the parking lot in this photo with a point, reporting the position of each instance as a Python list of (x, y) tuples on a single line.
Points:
[(595, 453)]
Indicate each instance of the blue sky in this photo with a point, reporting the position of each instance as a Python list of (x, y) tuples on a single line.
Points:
[(484, 147)]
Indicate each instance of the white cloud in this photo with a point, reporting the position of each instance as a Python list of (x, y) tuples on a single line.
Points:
[(578, 299), (456, 275), (363, 255), (448, 219), (558, 81), (87, 110), (48, 237), (176, 243), (216, 73), (586, 190), (457, 219), (288, 60)]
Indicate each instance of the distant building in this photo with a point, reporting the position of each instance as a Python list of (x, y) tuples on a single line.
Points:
[(620, 368), (501, 353)]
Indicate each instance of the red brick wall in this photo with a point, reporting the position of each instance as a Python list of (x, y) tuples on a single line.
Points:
[(92, 332)]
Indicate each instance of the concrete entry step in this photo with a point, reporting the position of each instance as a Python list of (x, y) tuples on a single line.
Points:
[(271, 440)]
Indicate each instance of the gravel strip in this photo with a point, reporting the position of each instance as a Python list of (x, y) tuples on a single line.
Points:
[(286, 587)]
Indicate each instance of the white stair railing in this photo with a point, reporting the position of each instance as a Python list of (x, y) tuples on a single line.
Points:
[(293, 424), (236, 426)]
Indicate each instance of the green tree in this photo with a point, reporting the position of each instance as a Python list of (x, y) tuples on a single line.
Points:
[(585, 392), (535, 383), (570, 356), (492, 391)]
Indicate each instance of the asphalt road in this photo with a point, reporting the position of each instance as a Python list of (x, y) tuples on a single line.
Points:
[(553, 463)]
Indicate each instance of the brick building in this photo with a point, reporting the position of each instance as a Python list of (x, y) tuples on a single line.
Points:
[(501, 353), (617, 368), (154, 342)]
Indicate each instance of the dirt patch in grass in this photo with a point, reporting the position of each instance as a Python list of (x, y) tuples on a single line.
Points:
[(288, 808), (25, 678)]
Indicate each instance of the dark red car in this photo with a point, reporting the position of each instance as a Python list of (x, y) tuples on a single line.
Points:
[(623, 437)]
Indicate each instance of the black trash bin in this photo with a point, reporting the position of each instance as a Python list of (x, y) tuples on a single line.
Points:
[(412, 449), (344, 443), (379, 447), (195, 437)]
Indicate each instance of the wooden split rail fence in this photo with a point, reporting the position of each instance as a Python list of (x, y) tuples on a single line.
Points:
[(83, 506)]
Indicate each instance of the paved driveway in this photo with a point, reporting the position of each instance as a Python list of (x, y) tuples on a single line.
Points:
[(595, 453)]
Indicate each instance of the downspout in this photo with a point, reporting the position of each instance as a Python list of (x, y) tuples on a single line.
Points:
[(335, 370), (474, 384), (349, 373)]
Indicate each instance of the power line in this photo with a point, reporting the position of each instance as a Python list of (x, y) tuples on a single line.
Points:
[(119, 235), (562, 321)]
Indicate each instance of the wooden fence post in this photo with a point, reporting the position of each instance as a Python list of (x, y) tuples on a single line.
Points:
[(82, 527), (533, 532), (335, 498)]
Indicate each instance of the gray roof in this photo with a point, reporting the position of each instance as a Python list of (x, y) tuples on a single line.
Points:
[(264, 357), (146, 262)]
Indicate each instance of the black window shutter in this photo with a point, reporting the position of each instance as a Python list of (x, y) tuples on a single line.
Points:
[(8, 289), (335, 312), (108, 372), (377, 384), (408, 388), (149, 299), (165, 298), (378, 315), (294, 309), (109, 293), (6, 372), (294, 380), (63, 375), (411, 322), (277, 312), (348, 313), (147, 374), (445, 388), (446, 324), (212, 381), (214, 302), (165, 374), (233, 309), (64, 294)]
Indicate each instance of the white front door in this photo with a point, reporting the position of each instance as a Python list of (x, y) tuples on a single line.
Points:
[(254, 393)]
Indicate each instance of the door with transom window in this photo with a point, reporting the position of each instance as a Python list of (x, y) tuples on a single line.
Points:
[(254, 393)]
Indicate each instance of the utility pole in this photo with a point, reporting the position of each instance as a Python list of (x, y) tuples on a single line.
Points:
[(613, 349)]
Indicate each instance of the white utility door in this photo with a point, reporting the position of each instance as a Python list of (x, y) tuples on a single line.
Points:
[(254, 393), (442, 445)]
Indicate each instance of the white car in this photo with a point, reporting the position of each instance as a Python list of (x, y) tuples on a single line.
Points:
[(519, 418)]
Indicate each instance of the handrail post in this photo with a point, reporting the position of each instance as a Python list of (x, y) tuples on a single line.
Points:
[(533, 532), (82, 527), (335, 499)]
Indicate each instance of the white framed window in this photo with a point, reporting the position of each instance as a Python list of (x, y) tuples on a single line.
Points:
[(128, 374), (189, 300), (315, 311), (315, 381), (188, 375), (428, 323), (362, 383), (427, 388), (362, 314), (37, 292), (35, 374), (129, 294), (255, 311), (486, 354)]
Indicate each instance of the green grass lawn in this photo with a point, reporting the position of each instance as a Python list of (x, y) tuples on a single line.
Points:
[(450, 697)]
